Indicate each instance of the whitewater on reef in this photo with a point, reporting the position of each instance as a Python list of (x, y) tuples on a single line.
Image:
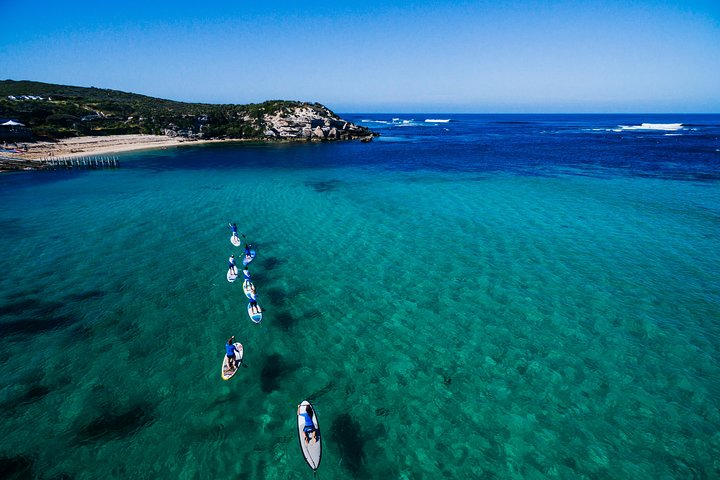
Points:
[(651, 126)]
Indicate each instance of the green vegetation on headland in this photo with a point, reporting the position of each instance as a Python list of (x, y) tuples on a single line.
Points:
[(52, 111)]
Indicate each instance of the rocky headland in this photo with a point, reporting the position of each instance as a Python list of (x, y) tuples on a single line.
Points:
[(311, 122), (42, 121)]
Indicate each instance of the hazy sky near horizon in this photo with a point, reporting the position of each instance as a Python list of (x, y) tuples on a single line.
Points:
[(379, 56)]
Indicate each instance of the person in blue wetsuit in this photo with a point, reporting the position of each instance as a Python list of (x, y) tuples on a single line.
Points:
[(230, 350), (233, 227), (309, 427), (231, 264), (247, 251), (246, 272)]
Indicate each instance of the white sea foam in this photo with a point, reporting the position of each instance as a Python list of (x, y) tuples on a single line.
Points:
[(437, 120), (400, 122), (374, 121), (668, 127)]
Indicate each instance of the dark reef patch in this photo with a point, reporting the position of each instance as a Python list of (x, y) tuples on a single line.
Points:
[(347, 435), (16, 468), (273, 370), (323, 186), (271, 263), (112, 425), (322, 391), (19, 307), (285, 321), (276, 296), (33, 394), (31, 316), (88, 295), (12, 227), (33, 326)]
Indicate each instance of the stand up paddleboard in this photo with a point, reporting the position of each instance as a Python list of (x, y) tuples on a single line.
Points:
[(232, 274), (247, 259), (255, 317), (235, 240), (226, 372), (247, 289), (312, 451)]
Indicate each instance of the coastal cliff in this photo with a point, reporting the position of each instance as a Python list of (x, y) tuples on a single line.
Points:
[(310, 122), (43, 111)]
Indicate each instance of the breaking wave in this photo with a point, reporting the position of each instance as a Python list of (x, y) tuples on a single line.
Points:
[(395, 122), (665, 127)]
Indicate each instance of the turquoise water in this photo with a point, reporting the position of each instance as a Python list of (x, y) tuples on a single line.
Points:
[(446, 323)]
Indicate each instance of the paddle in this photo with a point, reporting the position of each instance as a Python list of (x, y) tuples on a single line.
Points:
[(241, 234)]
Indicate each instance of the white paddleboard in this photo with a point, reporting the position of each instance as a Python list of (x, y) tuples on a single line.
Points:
[(226, 373), (312, 451), (248, 291), (235, 240), (255, 317), (232, 274)]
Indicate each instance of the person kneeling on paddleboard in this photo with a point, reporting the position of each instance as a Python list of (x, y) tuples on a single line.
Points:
[(309, 425), (247, 251), (230, 350), (231, 263)]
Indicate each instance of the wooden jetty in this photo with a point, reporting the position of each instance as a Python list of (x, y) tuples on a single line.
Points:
[(81, 162), (59, 163)]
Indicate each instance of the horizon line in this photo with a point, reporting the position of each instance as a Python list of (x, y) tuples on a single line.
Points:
[(383, 112), (529, 113)]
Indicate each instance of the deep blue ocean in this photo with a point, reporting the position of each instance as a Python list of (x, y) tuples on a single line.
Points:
[(466, 296)]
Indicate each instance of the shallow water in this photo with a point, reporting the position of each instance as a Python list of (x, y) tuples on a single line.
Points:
[(454, 305)]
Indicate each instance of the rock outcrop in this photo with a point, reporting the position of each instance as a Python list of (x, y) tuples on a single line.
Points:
[(311, 122)]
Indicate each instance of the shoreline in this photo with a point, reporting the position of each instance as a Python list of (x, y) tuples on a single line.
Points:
[(20, 155), (15, 157), (98, 145)]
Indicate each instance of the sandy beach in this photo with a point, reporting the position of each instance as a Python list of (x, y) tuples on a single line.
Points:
[(83, 146)]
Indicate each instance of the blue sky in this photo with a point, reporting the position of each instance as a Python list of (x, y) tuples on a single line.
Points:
[(379, 56)]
